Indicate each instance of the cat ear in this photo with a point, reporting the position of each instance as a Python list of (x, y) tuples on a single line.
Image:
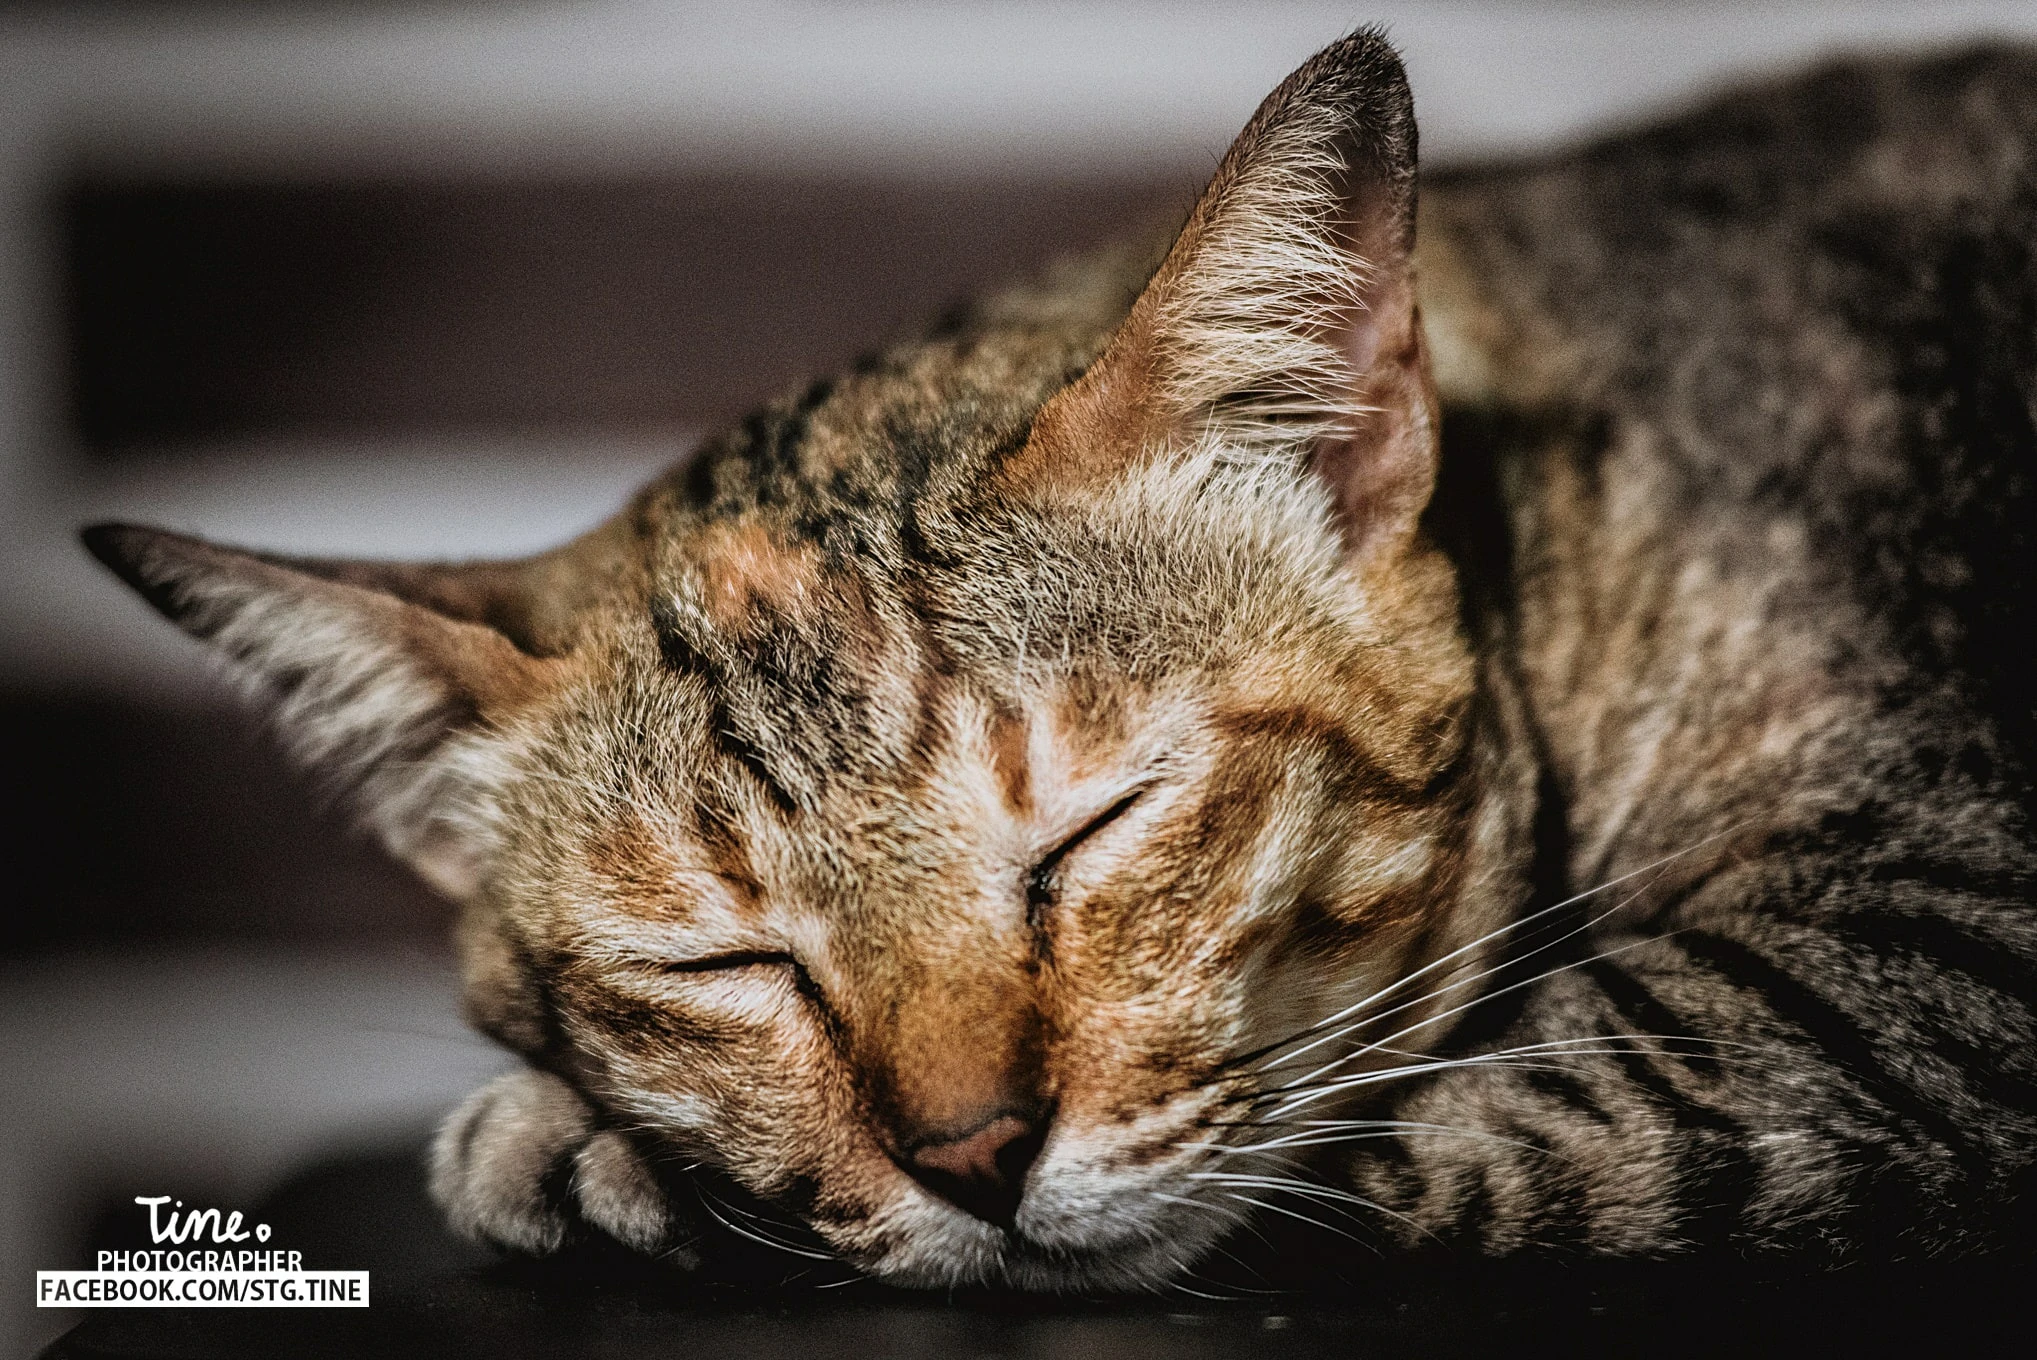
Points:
[(375, 671), (1282, 324)]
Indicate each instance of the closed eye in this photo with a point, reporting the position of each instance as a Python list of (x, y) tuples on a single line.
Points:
[(724, 963), (1042, 884), (716, 963)]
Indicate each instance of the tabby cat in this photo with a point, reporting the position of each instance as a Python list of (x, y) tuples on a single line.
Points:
[(1523, 744)]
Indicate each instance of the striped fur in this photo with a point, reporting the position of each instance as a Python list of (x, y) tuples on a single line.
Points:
[(1163, 755)]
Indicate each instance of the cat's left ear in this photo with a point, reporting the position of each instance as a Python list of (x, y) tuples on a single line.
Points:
[(1283, 321), (385, 679)]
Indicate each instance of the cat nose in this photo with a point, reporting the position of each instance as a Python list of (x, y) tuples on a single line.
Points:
[(984, 1171)]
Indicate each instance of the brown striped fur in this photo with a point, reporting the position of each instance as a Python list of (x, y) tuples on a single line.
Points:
[(1187, 740)]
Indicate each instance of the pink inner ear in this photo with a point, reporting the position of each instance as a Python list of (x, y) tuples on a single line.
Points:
[(1383, 470), (1378, 331), (1379, 248), (1361, 336)]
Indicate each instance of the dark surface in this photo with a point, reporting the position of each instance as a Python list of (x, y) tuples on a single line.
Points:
[(436, 1297)]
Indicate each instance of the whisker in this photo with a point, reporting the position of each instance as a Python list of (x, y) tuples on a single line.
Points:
[(1233, 1218), (1485, 997), (709, 1200), (1288, 1183), (1292, 1185), (1532, 918), (1526, 1062), (1263, 1205), (1184, 1200), (1321, 1132), (844, 1282), (1540, 1046), (1175, 1285), (1514, 962), (1522, 1057)]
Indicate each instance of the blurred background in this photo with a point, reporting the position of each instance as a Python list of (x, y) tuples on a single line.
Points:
[(449, 279)]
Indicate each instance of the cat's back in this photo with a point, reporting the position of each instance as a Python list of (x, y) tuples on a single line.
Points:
[(1760, 387)]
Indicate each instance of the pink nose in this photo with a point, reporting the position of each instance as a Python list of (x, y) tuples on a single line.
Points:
[(983, 1171)]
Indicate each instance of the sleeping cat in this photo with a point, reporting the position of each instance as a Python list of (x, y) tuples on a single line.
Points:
[(1205, 737)]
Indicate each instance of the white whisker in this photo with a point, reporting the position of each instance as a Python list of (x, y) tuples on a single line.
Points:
[(709, 1201), (1479, 1000), (1367, 1021), (1322, 1132), (1506, 1057), (1304, 1218), (1358, 1006)]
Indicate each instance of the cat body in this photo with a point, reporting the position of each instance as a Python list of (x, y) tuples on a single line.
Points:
[(1517, 743), (1756, 390)]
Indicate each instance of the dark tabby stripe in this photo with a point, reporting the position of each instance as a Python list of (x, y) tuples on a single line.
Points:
[(1841, 1038)]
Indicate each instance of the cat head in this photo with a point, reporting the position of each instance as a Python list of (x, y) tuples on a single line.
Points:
[(940, 804)]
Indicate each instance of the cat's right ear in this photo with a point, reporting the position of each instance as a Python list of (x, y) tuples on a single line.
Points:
[(1282, 324), (386, 679)]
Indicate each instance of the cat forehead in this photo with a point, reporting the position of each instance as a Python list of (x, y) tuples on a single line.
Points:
[(827, 567), (923, 415), (899, 514), (1166, 575)]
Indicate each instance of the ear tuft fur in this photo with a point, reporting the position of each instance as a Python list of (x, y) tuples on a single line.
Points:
[(387, 700), (1307, 218), (1281, 328)]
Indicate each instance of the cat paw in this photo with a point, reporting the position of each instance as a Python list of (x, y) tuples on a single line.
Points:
[(523, 1163)]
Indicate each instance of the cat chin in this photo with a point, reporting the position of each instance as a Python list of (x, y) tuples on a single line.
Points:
[(1139, 1267), (1144, 1268), (1093, 1219), (938, 1248)]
